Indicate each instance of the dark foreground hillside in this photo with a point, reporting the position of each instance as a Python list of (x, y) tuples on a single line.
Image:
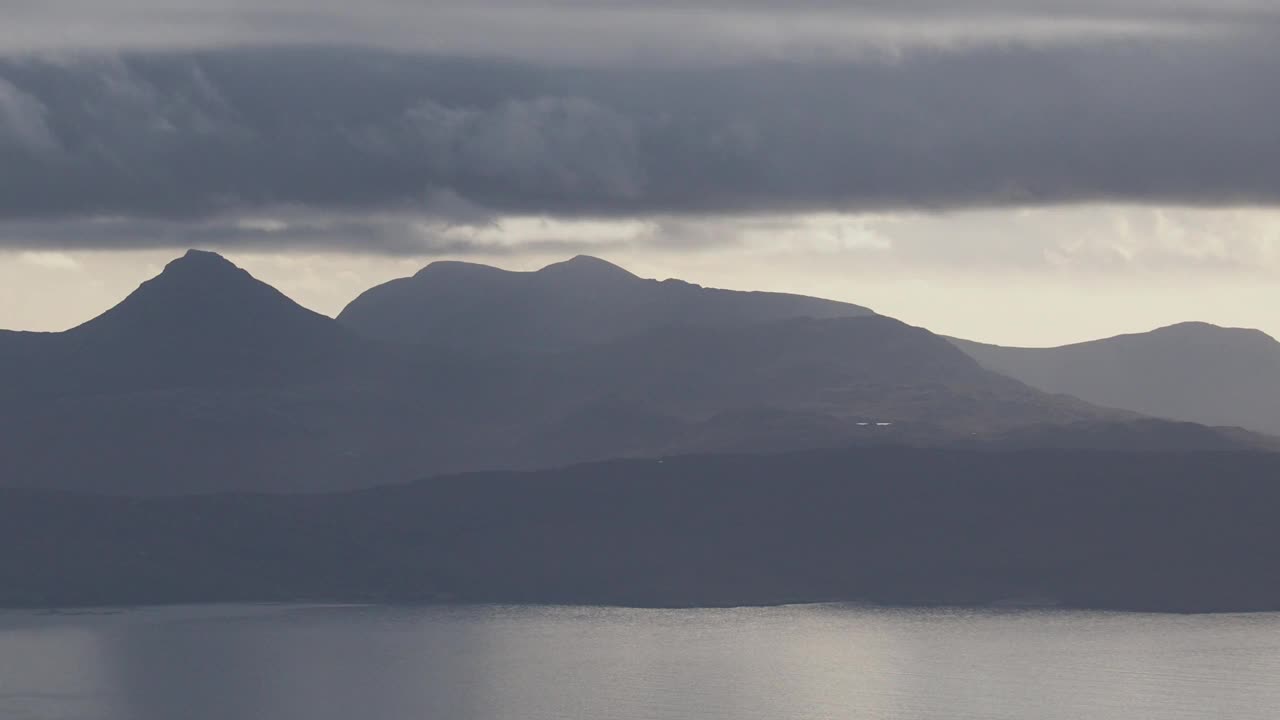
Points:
[(1122, 530)]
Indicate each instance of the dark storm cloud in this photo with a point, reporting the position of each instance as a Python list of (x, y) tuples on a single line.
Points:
[(228, 132)]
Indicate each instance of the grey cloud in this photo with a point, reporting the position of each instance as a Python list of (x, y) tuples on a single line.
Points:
[(553, 145), (22, 120), (226, 133), (285, 230), (266, 233)]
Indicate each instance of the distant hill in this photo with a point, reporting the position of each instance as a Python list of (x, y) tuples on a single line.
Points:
[(1172, 531), (569, 304), (207, 380), (1192, 371)]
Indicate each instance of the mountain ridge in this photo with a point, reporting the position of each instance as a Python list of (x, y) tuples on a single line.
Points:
[(564, 305), (208, 380)]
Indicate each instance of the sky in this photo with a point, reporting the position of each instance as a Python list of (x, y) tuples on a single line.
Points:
[(1027, 172)]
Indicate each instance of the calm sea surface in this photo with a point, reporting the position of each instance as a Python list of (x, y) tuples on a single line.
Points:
[(482, 663)]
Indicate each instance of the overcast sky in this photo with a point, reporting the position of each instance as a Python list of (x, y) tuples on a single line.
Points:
[(1027, 172)]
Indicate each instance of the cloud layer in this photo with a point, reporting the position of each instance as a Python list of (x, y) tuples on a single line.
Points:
[(197, 134), (441, 114)]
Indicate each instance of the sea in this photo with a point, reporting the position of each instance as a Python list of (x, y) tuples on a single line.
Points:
[(328, 662)]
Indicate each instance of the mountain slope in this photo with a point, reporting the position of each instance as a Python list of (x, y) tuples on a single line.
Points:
[(805, 383), (1176, 531), (570, 304), (866, 368), (1192, 371)]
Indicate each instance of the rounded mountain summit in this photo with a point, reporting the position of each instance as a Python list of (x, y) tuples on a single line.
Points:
[(578, 302)]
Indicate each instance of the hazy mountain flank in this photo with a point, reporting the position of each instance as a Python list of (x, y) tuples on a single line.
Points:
[(1192, 371)]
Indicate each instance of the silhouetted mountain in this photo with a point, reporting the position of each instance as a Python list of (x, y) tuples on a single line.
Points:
[(227, 302), (205, 379), (578, 302), (202, 321), (1193, 371), (1172, 531)]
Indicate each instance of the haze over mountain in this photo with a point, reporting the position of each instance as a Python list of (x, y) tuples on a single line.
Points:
[(1192, 371), (205, 379), (569, 304)]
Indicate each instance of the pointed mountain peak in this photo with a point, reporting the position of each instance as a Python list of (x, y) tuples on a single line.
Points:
[(202, 292), (586, 266), (198, 271), (199, 276), (202, 263), (201, 256)]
